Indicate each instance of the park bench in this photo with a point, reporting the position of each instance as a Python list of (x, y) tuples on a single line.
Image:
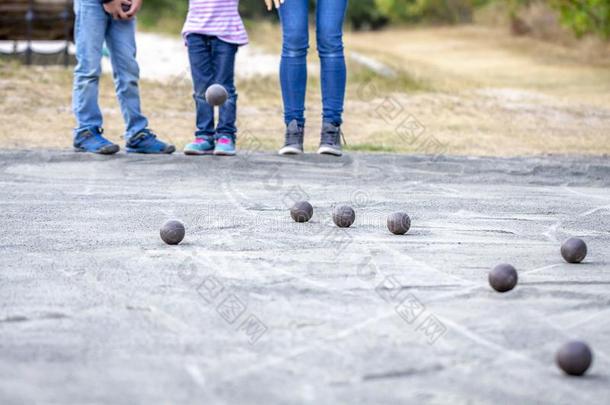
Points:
[(36, 20)]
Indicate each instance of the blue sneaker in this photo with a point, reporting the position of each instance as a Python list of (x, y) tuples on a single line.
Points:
[(146, 142), (225, 145), (91, 140), (203, 145)]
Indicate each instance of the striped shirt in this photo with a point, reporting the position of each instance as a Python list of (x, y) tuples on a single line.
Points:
[(219, 18)]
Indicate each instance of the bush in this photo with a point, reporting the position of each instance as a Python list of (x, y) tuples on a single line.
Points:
[(585, 16), (430, 11)]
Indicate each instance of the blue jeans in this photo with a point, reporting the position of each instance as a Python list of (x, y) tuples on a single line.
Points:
[(213, 62), (330, 15), (93, 27)]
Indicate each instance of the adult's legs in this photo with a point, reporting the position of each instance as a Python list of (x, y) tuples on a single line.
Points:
[(90, 28), (121, 42), (202, 72), (330, 15), (224, 74), (293, 68)]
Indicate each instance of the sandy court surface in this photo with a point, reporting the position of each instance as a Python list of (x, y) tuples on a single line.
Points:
[(96, 309)]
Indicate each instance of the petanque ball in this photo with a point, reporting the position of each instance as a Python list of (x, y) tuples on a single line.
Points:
[(344, 216), (302, 211), (399, 223), (216, 95), (503, 277), (574, 358), (172, 232), (574, 250)]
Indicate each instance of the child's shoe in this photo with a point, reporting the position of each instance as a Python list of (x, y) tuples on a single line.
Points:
[(146, 142), (225, 145), (330, 140), (203, 145), (91, 140)]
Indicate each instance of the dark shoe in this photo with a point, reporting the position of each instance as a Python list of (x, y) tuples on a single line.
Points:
[(293, 144), (146, 142), (91, 140), (330, 142)]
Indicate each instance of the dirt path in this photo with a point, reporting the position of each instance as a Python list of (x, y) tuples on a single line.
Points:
[(474, 57), (497, 94)]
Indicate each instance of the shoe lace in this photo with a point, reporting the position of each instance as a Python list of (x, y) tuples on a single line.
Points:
[(142, 135), (333, 136), (294, 137), (225, 139), (95, 132)]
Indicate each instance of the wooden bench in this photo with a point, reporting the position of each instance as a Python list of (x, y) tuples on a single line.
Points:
[(34, 20)]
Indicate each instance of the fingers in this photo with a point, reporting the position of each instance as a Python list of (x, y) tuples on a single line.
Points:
[(129, 8), (271, 3)]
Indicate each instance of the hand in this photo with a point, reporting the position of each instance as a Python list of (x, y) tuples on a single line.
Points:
[(271, 3), (115, 9), (136, 5)]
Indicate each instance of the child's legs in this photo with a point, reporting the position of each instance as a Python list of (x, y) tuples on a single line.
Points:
[(121, 42), (330, 17), (90, 28), (202, 72), (294, 16), (224, 69)]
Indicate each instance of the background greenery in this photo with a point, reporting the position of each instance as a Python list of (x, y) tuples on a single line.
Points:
[(583, 17)]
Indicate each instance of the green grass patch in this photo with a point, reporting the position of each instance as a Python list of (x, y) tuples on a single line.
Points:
[(370, 147), (400, 81)]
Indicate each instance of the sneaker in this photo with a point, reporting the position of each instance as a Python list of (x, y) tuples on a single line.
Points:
[(91, 140), (225, 145), (293, 144), (203, 145), (146, 142), (330, 143)]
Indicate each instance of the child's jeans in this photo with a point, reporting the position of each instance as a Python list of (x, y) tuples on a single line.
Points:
[(93, 27), (213, 62)]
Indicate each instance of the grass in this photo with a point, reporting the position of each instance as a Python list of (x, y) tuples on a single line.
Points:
[(474, 92), (369, 147)]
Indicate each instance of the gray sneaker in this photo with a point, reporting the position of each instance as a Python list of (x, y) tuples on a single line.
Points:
[(294, 139), (330, 142)]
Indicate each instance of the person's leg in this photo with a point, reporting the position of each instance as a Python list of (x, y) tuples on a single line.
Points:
[(330, 16), (293, 68), (329, 31), (90, 27), (224, 74), (121, 42), (89, 31), (202, 73), (224, 69)]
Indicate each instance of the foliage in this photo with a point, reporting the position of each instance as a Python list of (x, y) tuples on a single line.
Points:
[(431, 11), (585, 16), (582, 16)]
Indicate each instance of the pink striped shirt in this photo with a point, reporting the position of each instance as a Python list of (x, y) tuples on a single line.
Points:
[(219, 18)]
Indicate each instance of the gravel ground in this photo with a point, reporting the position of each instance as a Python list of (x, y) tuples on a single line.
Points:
[(254, 308)]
